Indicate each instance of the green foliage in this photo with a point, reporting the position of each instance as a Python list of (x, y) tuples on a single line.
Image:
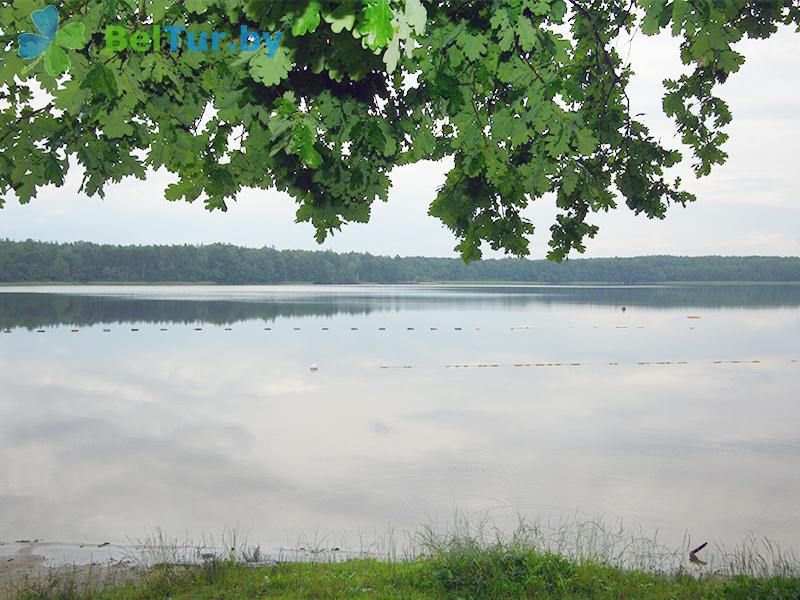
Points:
[(377, 25), (220, 263), (524, 110)]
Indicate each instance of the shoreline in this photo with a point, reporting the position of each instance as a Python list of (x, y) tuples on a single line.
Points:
[(458, 569)]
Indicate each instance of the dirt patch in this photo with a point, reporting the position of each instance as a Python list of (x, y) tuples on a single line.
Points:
[(24, 560), (24, 565)]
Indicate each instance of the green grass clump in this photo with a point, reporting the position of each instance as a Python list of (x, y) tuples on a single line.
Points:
[(465, 567)]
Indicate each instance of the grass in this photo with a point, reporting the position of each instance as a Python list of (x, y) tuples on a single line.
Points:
[(467, 564), (488, 574)]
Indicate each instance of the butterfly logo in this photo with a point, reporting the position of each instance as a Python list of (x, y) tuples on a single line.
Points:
[(49, 44)]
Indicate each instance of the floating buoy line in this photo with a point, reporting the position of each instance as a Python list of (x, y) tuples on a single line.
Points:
[(433, 328), (582, 364), (488, 365), (353, 328)]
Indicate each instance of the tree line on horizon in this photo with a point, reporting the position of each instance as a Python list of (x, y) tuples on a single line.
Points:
[(83, 262)]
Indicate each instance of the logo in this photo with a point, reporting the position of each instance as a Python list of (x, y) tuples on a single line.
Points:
[(119, 39), (49, 44)]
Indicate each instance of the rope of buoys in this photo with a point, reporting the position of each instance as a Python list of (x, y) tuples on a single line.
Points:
[(515, 328), (580, 364)]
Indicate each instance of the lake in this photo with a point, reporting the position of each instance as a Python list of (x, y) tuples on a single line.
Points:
[(332, 415)]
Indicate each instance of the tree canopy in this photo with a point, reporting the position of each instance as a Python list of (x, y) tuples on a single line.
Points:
[(82, 262), (528, 97)]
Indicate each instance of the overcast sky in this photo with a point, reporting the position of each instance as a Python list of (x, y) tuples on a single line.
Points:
[(748, 206)]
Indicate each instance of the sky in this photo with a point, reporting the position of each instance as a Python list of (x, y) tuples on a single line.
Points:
[(749, 206)]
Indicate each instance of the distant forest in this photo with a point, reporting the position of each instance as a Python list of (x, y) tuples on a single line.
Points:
[(83, 262)]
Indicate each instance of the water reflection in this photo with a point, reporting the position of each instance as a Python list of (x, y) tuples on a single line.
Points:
[(108, 436), (21, 307)]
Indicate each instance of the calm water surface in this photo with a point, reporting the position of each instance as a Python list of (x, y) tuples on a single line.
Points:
[(106, 435)]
